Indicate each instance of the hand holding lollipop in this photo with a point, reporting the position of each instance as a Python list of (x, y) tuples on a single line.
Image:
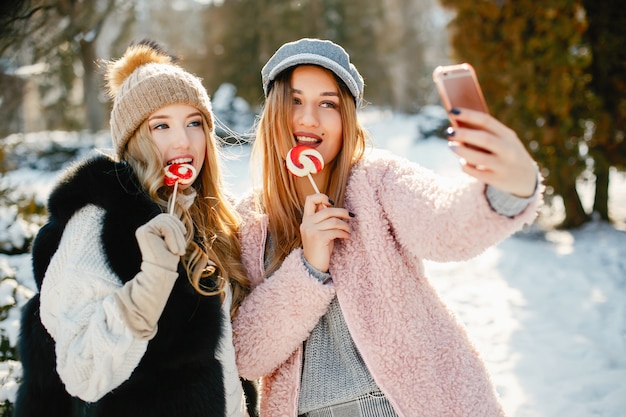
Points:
[(303, 161), (178, 173)]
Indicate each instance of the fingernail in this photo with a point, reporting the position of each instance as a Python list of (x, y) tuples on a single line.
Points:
[(450, 131), (331, 202), (351, 214), (455, 111), (453, 146)]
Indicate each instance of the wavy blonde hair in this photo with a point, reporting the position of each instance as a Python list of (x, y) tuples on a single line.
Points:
[(279, 197), (211, 223)]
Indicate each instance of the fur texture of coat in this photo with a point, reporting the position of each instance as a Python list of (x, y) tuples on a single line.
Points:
[(179, 374), (416, 351)]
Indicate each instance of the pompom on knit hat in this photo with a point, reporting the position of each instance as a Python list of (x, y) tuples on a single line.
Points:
[(315, 52), (144, 80)]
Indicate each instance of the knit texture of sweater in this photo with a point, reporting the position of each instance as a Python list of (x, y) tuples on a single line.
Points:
[(79, 355)]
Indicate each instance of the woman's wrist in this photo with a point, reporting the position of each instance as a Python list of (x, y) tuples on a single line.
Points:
[(323, 277), (507, 204)]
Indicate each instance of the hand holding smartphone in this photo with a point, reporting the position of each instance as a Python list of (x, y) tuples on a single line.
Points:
[(458, 87)]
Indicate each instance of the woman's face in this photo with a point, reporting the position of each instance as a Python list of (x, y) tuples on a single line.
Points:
[(179, 135), (316, 117)]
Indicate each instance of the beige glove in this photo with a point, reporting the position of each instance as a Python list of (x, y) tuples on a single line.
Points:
[(143, 298)]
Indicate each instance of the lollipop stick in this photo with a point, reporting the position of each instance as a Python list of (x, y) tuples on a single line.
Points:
[(313, 183), (173, 200)]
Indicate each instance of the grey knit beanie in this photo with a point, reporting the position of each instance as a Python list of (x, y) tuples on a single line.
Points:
[(144, 80), (317, 52)]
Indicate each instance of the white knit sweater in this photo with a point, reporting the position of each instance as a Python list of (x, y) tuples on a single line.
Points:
[(96, 351)]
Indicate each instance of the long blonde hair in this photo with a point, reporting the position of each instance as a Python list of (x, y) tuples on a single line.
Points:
[(279, 197), (211, 223)]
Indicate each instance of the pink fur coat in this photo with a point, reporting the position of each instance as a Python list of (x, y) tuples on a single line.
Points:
[(417, 353)]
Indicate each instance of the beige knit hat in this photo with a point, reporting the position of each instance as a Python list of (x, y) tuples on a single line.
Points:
[(144, 80)]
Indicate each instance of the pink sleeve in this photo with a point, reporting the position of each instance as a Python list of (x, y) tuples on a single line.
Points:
[(443, 218), (277, 316)]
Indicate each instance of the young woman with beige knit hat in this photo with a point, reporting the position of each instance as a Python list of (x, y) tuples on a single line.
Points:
[(341, 319), (138, 279)]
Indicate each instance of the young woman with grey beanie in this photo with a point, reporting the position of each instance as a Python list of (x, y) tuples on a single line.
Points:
[(341, 320), (137, 284)]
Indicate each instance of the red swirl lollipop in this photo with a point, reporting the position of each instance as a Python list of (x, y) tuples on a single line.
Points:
[(182, 173), (303, 161), (178, 173)]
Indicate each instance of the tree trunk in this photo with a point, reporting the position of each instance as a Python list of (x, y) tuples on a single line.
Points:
[(601, 198), (91, 88), (575, 215)]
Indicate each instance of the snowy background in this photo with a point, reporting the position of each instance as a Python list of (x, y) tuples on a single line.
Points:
[(546, 308)]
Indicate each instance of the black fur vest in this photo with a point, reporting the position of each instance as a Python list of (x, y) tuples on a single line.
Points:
[(178, 375)]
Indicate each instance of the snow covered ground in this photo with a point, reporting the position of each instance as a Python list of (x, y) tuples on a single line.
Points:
[(546, 309)]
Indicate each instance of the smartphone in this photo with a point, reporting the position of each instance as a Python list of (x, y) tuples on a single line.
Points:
[(458, 87)]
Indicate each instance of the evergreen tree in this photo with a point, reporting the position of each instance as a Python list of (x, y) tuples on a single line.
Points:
[(533, 66), (607, 41)]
